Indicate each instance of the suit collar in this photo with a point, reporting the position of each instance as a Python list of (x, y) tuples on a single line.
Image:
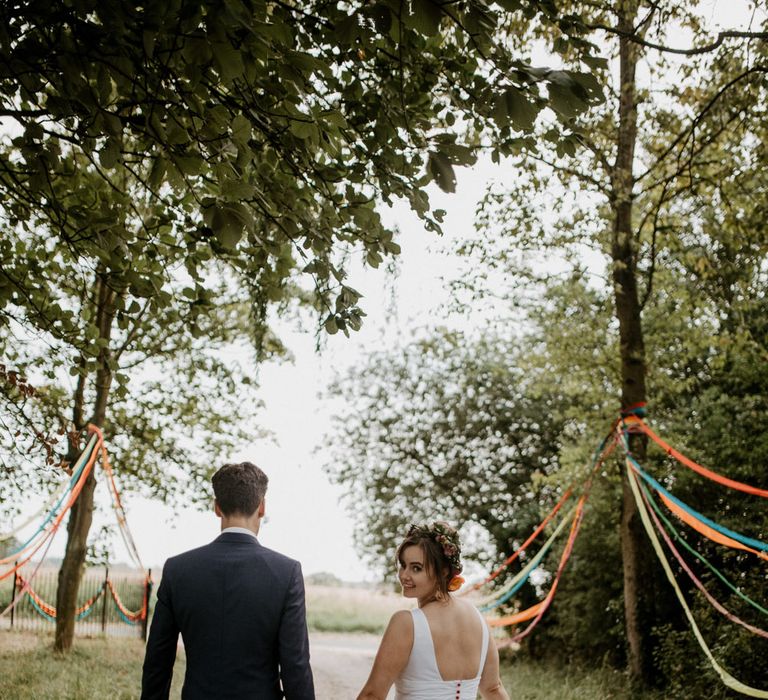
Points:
[(237, 537), (241, 530)]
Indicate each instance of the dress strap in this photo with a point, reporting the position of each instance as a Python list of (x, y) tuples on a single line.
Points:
[(484, 647), (423, 651)]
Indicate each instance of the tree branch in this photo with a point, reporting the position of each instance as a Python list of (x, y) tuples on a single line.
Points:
[(722, 36)]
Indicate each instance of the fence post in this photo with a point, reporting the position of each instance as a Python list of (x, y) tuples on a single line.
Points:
[(147, 593), (104, 587), (13, 590)]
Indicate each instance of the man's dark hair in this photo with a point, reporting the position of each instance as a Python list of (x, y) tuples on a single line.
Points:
[(239, 488)]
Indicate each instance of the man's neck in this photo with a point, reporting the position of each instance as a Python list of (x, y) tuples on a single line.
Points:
[(251, 523)]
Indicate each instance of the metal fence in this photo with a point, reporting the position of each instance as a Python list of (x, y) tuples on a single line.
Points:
[(109, 604)]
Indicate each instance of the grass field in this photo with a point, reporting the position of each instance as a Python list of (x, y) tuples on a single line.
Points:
[(525, 680), (334, 609)]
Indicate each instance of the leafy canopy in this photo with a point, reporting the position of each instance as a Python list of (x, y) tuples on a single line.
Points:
[(266, 130)]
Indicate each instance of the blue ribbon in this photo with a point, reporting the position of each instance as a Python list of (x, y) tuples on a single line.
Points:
[(749, 541), (83, 460)]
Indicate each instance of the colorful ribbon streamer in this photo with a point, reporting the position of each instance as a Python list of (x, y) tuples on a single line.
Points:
[(57, 521), (46, 507), (712, 600), (671, 528), (517, 582), (84, 461), (726, 677), (494, 574), (635, 422), (709, 528), (122, 520), (140, 614), (515, 618)]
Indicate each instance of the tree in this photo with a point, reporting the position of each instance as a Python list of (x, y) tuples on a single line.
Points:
[(143, 344), (644, 157), (152, 149), (450, 394), (451, 427)]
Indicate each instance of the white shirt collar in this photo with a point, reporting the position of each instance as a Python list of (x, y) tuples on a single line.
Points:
[(241, 530)]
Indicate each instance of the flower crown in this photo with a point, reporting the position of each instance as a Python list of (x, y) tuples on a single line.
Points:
[(447, 538)]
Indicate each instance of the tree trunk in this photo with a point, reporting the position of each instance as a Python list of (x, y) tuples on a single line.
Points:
[(71, 571), (81, 514), (638, 609)]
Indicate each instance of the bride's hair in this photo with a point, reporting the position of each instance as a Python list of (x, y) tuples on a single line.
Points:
[(442, 552)]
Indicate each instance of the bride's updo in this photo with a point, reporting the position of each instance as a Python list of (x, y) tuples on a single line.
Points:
[(442, 553)]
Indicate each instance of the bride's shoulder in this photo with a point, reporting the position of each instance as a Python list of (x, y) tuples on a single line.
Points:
[(401, 619), (400, 626)]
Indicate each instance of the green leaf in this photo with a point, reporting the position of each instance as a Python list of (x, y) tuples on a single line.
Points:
[(335, 117), (382, 18), (196, 51), (303, 129), (241, 128), (229, 222), (442, 173), (237, 190), (228, 60), (148, 40), (348, 30), (459, 154), (109, 155), (595, 62), (190, 165), (425, 17), (330, 325), (519, 110), (564, 101), (157, 172)]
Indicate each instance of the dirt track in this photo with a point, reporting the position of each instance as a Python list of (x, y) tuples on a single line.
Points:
[(341, 663)]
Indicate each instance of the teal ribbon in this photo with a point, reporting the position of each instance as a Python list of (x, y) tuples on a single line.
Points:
[(82, 461), (698, 555), (749, 541)]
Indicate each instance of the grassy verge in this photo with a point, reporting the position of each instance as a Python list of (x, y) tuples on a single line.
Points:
[(526, 680), (333, 609), (95, 669)]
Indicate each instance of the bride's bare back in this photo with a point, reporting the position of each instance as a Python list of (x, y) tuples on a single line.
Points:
[(457, 637)]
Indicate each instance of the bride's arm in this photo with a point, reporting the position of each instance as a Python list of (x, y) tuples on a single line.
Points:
[(491, 687), (392, 657)]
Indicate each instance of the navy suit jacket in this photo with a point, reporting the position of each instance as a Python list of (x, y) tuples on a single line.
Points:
[(240, 610)]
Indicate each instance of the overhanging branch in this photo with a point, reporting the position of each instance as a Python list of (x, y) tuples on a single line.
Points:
[(721, 37)]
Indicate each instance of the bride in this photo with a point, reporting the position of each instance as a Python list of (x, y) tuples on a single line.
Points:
[(439, 650)]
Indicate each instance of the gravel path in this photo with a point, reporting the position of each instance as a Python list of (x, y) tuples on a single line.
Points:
[(341, 663)]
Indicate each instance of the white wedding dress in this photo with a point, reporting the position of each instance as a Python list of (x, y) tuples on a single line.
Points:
[(421, 680)]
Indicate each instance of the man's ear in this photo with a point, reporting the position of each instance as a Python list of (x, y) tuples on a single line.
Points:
[(217, 509), (262, 508)]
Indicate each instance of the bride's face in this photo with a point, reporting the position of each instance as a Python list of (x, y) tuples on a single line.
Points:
[(416, 581)]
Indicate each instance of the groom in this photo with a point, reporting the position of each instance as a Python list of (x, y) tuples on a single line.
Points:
[(238, 606)]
